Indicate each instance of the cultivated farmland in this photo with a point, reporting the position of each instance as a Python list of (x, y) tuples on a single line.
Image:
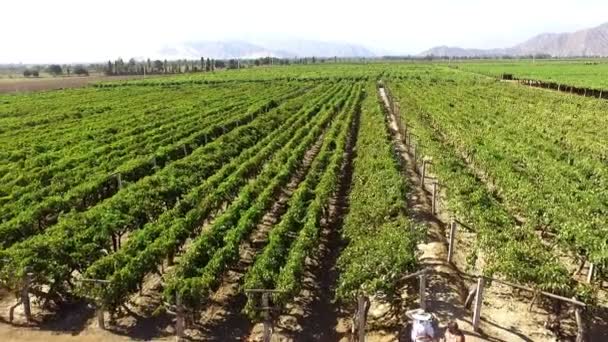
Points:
[(190, 205)]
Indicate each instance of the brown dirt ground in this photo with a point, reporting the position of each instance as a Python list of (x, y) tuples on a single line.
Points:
[(40, 84)]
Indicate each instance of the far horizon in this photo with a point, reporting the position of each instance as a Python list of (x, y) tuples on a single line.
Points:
[(85, 33)]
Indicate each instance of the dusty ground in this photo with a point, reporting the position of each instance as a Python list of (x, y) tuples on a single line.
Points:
[(21, 85)]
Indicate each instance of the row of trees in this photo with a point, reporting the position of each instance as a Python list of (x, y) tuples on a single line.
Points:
[(56, 70), (133, 67), (179, 66)]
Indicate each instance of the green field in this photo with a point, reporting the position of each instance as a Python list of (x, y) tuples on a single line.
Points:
[(172, 176), (579, 73)]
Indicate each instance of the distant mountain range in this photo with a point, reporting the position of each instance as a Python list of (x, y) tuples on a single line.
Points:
[(247, 50), (591, 42)]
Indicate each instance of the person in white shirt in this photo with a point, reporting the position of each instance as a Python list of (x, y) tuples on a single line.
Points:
[(422, 327)]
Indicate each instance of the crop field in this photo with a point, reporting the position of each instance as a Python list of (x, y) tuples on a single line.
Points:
[(180, 200), (579, 73)]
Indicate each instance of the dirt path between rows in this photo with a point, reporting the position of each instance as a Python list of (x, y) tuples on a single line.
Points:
[(313, 315), (445, 290), (222, 319)]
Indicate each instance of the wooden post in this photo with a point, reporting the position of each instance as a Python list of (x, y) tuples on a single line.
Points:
[(452, 239), (154, 162), (170, 257), (119, 180), (478, 303), (361, 318), (185, 150), (469, 301), (558, 87), (434, 205), (581, 331), (99, 305), (100, 319), (266, 308), (590, 273), (180, 323), (415, 158), (25, 296), (423, 291), (423, 173)]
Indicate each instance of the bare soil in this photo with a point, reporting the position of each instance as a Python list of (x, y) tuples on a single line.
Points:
[(24, 85)]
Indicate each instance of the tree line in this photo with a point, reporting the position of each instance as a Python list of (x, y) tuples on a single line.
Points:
[(157, 67)]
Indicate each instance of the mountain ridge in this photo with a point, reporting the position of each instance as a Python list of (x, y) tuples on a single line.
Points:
[(590, 42)]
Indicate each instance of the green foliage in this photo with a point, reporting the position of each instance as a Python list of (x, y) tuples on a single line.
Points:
[(579, 73), (304, 208), (484, 135), (54, 69), (80, 70), (381, 240)]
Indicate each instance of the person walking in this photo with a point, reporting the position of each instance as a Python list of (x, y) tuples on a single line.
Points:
[(453, 333), (422, 327)]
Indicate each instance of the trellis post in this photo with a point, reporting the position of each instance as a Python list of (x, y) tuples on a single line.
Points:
[(361, 319), (423, 291), (99, 305), (267, 323), (266, 309), (423, 172), (434, 205), (100, 319), (25, 296), (180, 322), (590, 273), (119, 180), (452, 239), (580, 324), (478, 304)]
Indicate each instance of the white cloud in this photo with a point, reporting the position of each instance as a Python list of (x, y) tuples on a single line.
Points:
[(72, 30)]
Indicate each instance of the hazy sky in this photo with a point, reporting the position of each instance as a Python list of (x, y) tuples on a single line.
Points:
[(96, 30)]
